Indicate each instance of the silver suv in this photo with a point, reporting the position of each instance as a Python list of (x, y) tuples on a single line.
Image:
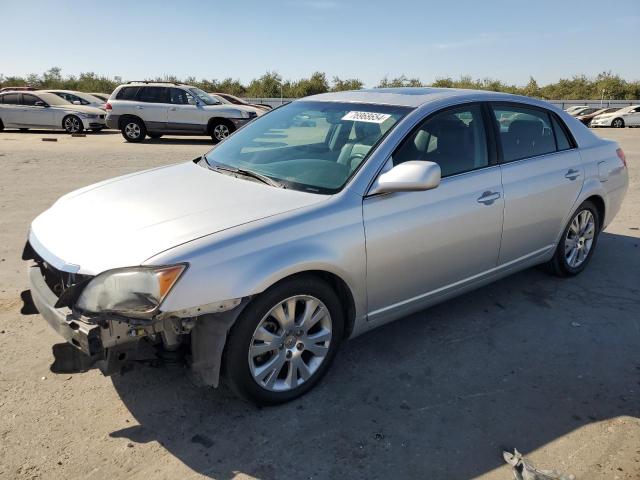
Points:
[(140, 109)]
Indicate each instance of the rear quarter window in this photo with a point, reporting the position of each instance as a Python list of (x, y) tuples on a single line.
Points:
[(127, 93)]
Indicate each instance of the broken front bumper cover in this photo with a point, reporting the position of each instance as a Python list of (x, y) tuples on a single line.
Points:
[(106, 345)]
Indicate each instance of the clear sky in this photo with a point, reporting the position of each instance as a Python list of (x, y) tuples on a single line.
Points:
[(509, 40)]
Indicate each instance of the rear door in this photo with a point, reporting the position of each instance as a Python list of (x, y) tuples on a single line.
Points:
[(153, 107), (36, 115), (542, 176), (10, 109)]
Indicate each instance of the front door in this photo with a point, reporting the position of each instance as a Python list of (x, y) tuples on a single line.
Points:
[(423, 244), (184, 113)]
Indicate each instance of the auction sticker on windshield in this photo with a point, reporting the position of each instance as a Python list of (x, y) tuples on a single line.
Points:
[(371, 117)]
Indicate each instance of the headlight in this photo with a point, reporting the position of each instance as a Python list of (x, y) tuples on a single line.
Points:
[(87, 115), (135, 292)]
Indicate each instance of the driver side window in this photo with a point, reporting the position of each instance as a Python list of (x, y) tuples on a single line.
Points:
[(455, 139)]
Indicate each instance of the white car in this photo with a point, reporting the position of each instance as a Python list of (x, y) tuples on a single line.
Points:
[(625, 117), (573, 110), (79, 98), (40, 109), (140, 109), (102, 96)]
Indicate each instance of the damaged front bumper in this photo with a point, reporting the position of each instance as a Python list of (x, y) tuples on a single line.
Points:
[(106, 344)]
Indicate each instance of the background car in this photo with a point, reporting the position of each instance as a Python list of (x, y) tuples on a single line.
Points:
[(238, 101), (79, 98), (17, 89), (574, 108), (139, 109), (587, 117), (625, 117), (38, 109), (102, 96)]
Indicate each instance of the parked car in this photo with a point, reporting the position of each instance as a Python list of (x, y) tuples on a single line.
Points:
[(224, 101), (138, 109), (625, 117), (574, 108), (587, 117), (102, 96), (17, 89), (40, 109), (264, 254), (79, 98), (238, 101)]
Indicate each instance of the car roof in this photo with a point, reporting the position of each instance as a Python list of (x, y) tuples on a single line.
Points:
[(413, 96), (154, 84)]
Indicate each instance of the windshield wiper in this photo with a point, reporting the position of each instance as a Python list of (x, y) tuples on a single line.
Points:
[(248, 173)]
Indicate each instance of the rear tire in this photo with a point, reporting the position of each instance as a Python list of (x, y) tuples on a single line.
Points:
[(133, 130), (72, 124), (297, 362), (220, 129), (617, 123), (578, 242)]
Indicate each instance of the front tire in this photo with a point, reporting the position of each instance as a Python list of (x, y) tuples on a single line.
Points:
[(219, 130), (617, 123), (284, 341), (578, 242), (133, 130), (72, 124)]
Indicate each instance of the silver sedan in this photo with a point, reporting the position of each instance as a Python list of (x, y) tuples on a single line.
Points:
[(314, 223)]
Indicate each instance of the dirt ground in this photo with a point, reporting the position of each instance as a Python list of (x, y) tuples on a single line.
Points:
[(549, 366)]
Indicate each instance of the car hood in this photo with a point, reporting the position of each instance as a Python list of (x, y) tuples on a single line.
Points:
[(233, 110), (126, 220)]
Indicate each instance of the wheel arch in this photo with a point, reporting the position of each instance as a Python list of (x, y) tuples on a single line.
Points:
[(338, 285), (224, 120), (126, 117)]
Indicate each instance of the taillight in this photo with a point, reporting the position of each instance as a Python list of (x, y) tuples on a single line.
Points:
[(108, 106), (622, 157)]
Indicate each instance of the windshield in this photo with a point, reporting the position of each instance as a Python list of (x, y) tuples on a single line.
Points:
[(310, 146), (204, 96)]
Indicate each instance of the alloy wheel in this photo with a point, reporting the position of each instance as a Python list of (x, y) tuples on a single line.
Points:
[(132, 130), (579, 238), (290, 343), (72, 125), (221, 131)]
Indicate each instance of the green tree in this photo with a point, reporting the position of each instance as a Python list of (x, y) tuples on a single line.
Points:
[(340, 85)]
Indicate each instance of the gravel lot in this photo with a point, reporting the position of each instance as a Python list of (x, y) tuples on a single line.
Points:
[(547, 365)]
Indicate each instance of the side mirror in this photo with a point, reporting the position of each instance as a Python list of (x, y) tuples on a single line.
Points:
[(77, 102), (40, 103), (412, 176)]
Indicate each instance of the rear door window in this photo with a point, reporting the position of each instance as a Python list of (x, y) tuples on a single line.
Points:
[(153, 95), (524, 132)]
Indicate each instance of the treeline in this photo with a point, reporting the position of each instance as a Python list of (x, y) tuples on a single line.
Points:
[(272, 85)]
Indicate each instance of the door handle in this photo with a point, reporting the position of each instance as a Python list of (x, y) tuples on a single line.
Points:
[(572, 174), (173, 109), (488, 197)]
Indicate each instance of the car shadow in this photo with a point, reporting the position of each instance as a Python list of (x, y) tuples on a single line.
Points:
[(177, 141), (518, 363), (33, 131)]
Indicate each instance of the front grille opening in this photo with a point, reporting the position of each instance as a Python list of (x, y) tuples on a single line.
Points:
[(57, 280)]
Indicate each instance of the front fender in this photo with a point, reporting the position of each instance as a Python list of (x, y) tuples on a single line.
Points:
[(248, 259)]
